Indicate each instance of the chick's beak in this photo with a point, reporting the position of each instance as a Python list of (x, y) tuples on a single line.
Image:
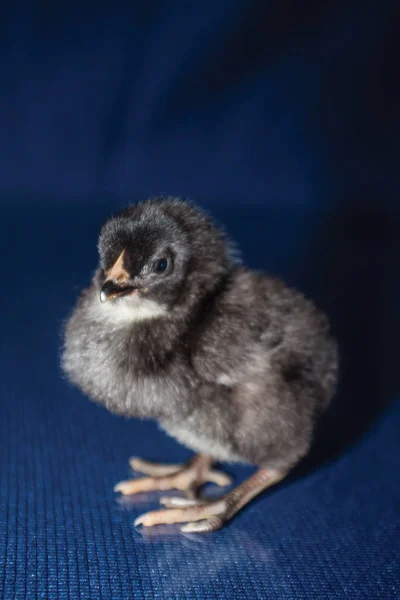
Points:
[(116, 283)]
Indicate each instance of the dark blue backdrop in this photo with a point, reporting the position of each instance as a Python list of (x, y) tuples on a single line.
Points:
[(280, 117)]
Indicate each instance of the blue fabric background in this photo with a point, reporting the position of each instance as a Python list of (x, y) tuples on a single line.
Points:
[(281, 118)]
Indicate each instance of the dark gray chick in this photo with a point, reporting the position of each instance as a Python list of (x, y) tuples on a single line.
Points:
[(231, 362)]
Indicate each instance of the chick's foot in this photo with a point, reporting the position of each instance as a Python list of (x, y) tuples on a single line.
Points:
[(203, 516), (188, 477)]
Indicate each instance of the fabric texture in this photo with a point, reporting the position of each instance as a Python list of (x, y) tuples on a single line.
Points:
[(280, 118)]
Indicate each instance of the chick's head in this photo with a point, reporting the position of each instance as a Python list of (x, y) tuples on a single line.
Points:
[(164, 251)]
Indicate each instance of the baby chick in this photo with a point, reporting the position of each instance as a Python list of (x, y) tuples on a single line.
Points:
[(231, 362)]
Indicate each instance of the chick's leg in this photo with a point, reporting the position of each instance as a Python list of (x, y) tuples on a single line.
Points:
[(187, 477), (206, 516)]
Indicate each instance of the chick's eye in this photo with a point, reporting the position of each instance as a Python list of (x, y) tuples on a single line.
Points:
[(160, 266)]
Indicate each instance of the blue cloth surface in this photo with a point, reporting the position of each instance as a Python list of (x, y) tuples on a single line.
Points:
[(332, 534), (282, 119)]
